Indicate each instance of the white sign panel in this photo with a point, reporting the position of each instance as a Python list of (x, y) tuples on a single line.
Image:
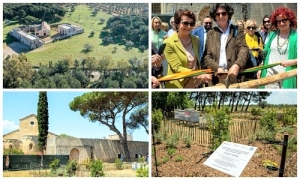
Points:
[(231, 158)]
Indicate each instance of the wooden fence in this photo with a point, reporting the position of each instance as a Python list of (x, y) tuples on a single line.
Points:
[(200, 134)]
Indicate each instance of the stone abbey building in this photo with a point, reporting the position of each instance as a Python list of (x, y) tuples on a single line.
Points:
[(80, 149)]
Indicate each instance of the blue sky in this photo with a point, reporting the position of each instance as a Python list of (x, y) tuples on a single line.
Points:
[(62, 120), (282, 97)]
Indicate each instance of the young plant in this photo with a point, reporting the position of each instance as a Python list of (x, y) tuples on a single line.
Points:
[(143, 171), (179, 158), (171, 151), (96, 168), (218, 124), (172, 141), (71, 167), (54, 165), (268, 122), (187, 141), (119, 164)]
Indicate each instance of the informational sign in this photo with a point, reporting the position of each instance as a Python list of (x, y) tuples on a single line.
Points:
[(231, 158)]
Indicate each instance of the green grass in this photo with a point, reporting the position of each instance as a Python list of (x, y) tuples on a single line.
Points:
[(82, 16)]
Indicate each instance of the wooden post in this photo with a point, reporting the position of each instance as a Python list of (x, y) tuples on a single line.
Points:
[(258, 82), (283, 154)]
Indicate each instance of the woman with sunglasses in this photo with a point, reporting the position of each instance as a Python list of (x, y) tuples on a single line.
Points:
[(266, 28), (182, 51), (225, 50), (173, 29), (281, 47), (255, 44)]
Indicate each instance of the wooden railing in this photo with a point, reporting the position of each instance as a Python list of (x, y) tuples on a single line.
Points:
[(258, 82)]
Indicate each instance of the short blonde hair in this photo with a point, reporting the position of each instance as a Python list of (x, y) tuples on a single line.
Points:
[(250, 21), (164, 26)]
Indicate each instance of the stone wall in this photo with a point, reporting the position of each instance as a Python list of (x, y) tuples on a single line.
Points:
[(104, 149), (254, 11)]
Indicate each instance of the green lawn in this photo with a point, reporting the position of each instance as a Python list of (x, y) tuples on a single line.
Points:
[(73, 46)]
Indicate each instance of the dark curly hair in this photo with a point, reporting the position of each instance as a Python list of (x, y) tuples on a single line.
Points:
[(183, 12), (288, 13), (226, 6)]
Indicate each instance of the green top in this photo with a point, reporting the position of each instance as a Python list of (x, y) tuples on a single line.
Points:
[(292, 54)]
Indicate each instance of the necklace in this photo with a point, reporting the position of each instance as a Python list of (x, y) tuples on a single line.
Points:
[(280, 46)]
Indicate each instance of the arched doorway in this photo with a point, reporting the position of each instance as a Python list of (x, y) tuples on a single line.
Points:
[(74, 154), (203, 12)]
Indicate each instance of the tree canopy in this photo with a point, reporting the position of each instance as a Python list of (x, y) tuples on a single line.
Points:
[(108, 107), (41, 11), (128, 30)]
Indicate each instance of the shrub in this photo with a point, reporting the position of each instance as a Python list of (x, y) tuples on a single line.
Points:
[(87, 162), (60, 171), (172, 141), (119, 164), (187, 141), (54, 164), (96, 168), (159, 137), (157, 116), (255, 112), (12, 151), (143, 171), (141, 160), (268, 122), (218, 124), (264, 134), (290, 116), (71, 167)]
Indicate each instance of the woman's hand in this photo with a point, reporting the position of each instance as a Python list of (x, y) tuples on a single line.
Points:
[(258, 74), (287, 63), (234, 70), (204, 78), (156, 60), (155, 82)]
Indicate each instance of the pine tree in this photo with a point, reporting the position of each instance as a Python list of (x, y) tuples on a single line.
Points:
[(42, 119)]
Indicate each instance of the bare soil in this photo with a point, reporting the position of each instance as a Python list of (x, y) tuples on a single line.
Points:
[(188, 161)]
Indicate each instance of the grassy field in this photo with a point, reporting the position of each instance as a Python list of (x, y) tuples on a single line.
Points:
[(73, 46)]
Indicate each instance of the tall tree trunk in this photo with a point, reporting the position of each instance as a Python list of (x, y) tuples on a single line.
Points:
[(237, 102), (233, 100), (249, 100)]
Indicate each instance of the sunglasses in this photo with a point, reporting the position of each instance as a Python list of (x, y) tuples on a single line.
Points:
[(223, 14), (207, 22), (266, 21), (186, 23), (250, 27), (282, 20)]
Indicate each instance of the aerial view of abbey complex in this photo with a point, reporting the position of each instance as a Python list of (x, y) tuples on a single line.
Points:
[(80, 45)]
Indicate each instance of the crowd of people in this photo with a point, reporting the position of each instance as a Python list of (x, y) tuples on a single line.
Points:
[(226, 48)]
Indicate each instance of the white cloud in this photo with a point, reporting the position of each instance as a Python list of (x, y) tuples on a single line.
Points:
[(10, 125)]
